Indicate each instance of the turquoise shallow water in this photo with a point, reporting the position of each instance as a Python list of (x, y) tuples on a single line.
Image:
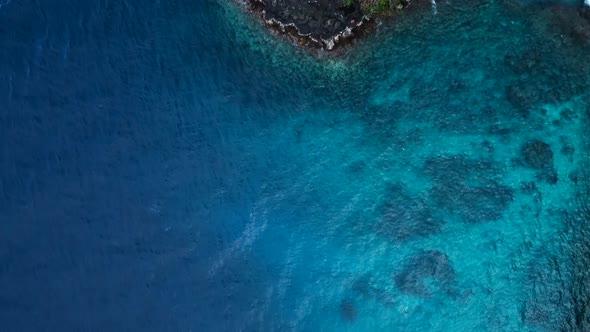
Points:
[(174, 167), (399, 195)]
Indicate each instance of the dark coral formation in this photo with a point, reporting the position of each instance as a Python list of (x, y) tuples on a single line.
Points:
[(467, 188), (530, 188), (426, 264), (347, 310), (577, 246), (568, 150), (578, 319), (549, 176), (364, 287), (536, 73), (575, 25), (457, 169), (543, 285), (404, 217), (585, 14), (523, 96), (538, 155)]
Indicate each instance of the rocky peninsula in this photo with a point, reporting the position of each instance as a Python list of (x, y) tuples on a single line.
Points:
[(322, 24), (329, 25)]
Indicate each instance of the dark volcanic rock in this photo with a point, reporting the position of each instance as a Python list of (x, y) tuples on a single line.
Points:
[(321, 22), (324, 24), (320, 18)]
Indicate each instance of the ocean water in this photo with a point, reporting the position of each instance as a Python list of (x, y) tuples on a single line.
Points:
[(171, 166)]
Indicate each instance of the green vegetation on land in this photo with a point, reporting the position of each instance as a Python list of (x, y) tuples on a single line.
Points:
[(381, 7)]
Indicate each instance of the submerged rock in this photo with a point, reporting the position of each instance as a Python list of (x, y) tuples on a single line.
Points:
[(347, 310), (364, 286), (523, 96), (549, 176), (426, 264), (572, 23), (567, 150), (529, 188), (537, 155), (404, 217), (467, 188)]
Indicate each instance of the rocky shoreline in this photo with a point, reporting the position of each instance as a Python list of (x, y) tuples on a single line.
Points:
[(328, 26), (321, 24)]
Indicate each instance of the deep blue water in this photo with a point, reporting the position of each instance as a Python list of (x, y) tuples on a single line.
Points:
[(170, 166)]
